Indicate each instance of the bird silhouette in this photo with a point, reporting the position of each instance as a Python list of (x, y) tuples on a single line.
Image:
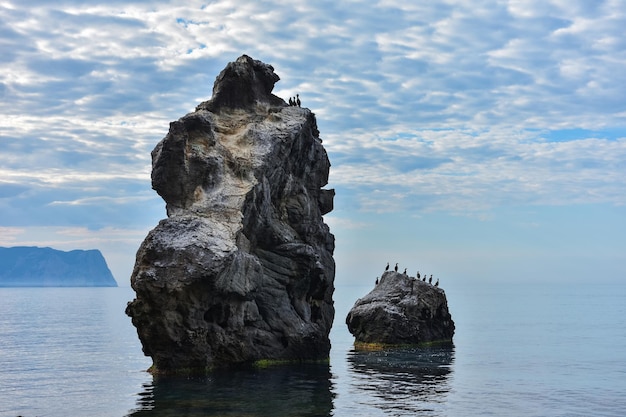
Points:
[(396, 267), (298, 100), (437, 283), (387, 267), (430, 280)]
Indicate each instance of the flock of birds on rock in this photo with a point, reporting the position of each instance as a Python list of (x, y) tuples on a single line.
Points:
[(419, 276), (295, 101)]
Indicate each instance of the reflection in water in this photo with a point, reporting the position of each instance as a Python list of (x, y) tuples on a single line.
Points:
[(402, 381), (299, 390)]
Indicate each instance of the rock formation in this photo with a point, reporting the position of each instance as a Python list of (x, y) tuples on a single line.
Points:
[(241, 270), (401, 310), (29, 266)]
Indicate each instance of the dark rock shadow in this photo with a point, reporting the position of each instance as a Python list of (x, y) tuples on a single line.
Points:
[(298, 390), (403, 381)]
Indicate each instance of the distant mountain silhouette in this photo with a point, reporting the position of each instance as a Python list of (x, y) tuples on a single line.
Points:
[(28, 266)]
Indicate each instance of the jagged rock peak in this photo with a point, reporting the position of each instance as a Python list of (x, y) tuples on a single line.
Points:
[(401, 310), (243, 83), (242, 268)]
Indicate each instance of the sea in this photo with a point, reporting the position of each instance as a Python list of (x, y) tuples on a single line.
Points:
[(519, 350)]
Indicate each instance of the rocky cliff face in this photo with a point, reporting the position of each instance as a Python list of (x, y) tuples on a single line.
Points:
[(242, 269), (401, 310)]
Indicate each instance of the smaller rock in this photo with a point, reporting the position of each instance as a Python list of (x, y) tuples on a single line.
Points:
[(401, 310)]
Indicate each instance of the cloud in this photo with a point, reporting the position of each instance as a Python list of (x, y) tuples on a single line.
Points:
[(464, 170), (340, 223), (94, 201), (442, 104)]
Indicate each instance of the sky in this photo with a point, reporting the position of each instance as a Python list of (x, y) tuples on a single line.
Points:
[(471, 140)]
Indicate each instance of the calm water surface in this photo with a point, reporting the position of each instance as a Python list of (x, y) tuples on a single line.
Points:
[(518, 351)]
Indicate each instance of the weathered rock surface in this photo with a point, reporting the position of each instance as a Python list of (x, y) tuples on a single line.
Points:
[(30, 266), (401, 310), (242, 269)]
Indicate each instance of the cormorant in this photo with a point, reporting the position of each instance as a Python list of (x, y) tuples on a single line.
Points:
[(376, 280), (298, 100), (437, 283), (424, 278), (404, 271), (430, 280), (396, 268), (418, 274), (387, 267), (290, 101)]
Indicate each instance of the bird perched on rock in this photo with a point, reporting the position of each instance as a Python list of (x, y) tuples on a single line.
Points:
[(418, 275), (387, 267), (396, 267), (298, 102), (376, 280), (430, 280), (437, 283), (424, 278), (290, 101), (404, 271)]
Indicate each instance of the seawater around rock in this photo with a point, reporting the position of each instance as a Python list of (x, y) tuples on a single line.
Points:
[(242, 270), (401, 310)]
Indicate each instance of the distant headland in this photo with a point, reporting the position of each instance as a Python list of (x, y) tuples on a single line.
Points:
[(29, 266)]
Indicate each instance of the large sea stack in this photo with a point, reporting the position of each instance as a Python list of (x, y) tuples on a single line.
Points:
[(401, 310), (242, 268)]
